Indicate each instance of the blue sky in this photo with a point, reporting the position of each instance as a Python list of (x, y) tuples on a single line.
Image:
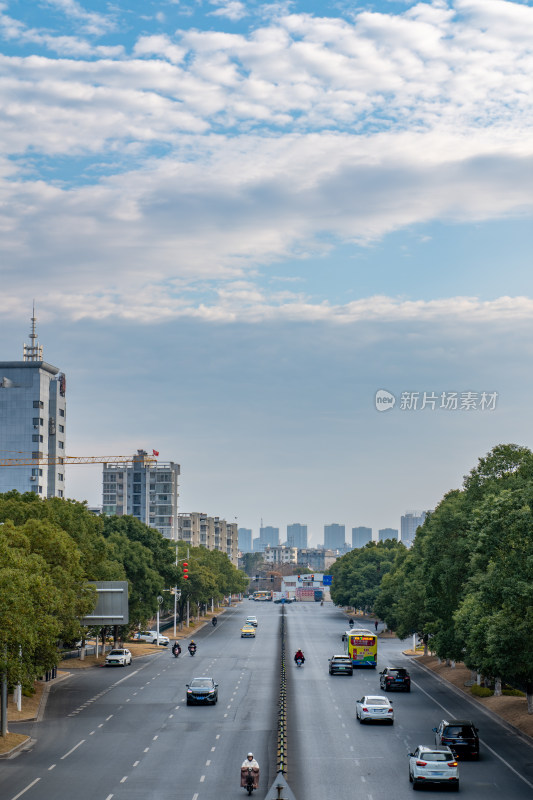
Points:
[(239, 220)]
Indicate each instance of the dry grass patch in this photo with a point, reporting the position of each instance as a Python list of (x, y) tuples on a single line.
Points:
[(511, 709), (10, 741)]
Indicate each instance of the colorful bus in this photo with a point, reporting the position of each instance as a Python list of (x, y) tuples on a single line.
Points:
[(262, 595), (362, 647)]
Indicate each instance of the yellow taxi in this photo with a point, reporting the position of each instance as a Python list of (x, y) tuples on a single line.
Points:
[(247, 630)]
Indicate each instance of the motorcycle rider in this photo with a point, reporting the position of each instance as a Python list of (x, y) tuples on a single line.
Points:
[(299, 656), (176, 649), (214, 622), (249, 761), (250, 773), (192, 647), (351, 623)]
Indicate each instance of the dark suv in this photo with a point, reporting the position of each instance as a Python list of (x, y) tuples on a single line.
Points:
[(460, 735), (395, 678)]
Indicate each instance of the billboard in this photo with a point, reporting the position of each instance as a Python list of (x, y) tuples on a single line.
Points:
[(111, 606)]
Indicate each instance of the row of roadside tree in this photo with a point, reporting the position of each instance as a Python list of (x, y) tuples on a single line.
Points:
[(466, 584), (50, 549)]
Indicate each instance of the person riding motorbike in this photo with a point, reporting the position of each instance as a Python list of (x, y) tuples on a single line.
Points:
[(192, 648), (250, 773), (299, 656), (176, 649), (351, 623), (214, 622)]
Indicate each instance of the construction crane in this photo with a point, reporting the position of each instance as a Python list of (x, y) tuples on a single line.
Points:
[(46, 460)]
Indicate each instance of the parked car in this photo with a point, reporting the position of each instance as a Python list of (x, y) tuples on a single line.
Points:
[(247, 631), (151, 636), (118, 658), (202, 690), (374, 708), (340, 665), (433, 765), (460, 735), (395, 678)]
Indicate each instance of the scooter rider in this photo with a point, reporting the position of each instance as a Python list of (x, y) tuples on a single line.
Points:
[(299, 656), (214, 622), (250, 773), (249, 761), (192, 648), (176, 649)]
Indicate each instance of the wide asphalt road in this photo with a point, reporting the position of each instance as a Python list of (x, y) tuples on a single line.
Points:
[(126, 734), (333, 756)]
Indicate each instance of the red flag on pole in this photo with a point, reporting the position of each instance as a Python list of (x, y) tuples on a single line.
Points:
[(155, 452)]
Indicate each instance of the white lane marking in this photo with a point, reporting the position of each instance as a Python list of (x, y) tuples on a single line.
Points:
[(207, 763), (124, 779), (195, 796), (155, 737), (128, 700), (177, 707), (170, 716), (481, 741), (134, 694), (217, 736), (72, 750), (26, 789), (228, 706), (108, 718), (225, 715), (363, 778), (212, 749), (146, 749), (50, 768), (109, 796), (343, 725), (135, 763), (101, 725), (202, 778)]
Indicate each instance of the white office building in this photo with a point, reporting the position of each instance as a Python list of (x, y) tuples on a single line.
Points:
[(33, 423)]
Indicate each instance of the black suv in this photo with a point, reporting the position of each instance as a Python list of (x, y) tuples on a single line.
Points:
[(460, 735), (340, 665), (395, 678)]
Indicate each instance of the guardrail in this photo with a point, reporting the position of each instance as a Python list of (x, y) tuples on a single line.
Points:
[(282, 706)]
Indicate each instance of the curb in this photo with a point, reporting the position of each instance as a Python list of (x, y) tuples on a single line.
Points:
[(472, 700), (22, 746)]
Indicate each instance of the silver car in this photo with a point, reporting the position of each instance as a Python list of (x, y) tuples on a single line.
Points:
[(433, 765), (374, 707)]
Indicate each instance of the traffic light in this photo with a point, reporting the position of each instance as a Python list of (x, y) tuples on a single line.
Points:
[(312, 577), (185, 571), (298, 577)]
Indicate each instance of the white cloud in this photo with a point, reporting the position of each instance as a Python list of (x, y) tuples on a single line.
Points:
[(92, 23), (232, 9)]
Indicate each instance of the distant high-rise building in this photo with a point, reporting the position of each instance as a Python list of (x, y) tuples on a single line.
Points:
[(410, 521), (33, 422), (297, 535), (334, 536), (388, 533), (361, 536), (213, 533), (145, 489), (269, 535), (245, 540)]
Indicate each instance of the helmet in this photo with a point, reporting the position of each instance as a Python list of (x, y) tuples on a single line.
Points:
[(250, 755)]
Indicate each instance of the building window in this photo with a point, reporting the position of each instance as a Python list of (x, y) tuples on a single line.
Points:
[(38, 404), (40, 489), (60, 476), (61, 428), (36, 437), (61, 445), (59, 493), (61, 412), (38, 421)]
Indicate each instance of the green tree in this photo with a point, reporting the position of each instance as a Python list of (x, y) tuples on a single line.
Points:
[(358, 574)]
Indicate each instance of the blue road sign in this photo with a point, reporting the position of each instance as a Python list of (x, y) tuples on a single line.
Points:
[(326, 580)]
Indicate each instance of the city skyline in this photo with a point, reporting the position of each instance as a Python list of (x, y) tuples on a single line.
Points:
[(288, 248)]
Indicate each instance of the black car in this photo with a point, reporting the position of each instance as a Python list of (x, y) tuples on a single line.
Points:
[(395, 678), (460, 735), (203, 691), (340, 665)]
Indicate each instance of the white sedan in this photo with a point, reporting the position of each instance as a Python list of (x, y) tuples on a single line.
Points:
[(433, 765), (118, 658), (374, 707)]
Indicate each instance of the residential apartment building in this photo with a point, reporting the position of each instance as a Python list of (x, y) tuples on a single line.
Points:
[(388, 533), (297, 535), (145, 489), (281, 554), (334, 537), (316, 558), (245, 540), (213, 533), (410, 521), (361, 536), (33, 422)]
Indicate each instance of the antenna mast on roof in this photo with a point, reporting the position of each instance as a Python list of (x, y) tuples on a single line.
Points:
[(33, 351)]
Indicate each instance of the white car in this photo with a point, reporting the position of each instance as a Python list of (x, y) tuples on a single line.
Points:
[(118, 658), (151, 636), (433, 765), (252, 621), (374, 707)]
